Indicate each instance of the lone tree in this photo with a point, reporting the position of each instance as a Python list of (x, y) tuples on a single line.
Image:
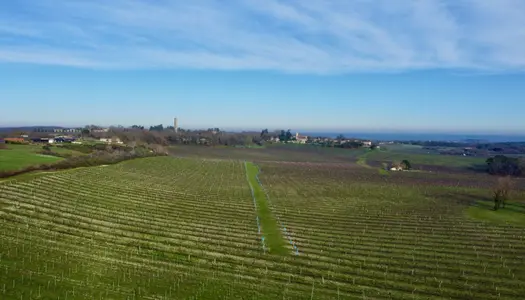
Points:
[(289, 135), (264, 134), (405, 164), (501, 191)]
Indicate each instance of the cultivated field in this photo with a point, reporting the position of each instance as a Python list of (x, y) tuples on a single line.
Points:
[(397, 236), (272, 152), (425, 161), (178, 228), (420, 159)]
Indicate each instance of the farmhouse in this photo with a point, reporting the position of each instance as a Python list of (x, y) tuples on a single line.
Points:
[(43, 140), (301, 139), (400, 166), (367, 143)]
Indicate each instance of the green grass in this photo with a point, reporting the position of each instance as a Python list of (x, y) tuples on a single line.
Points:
[(19, 156), (361, 159), (513, 213), (383, 172), (270, 229)]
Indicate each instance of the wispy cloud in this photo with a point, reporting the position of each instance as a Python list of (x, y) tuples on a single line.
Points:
[(314, 36)]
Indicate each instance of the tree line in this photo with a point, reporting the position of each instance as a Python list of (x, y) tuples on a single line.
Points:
[(506, 166), (161, 135)]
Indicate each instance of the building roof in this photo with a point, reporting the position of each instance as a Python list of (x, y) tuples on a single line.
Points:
[(300, 137)]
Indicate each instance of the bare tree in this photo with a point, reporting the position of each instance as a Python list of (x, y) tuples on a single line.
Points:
[(501, 191)]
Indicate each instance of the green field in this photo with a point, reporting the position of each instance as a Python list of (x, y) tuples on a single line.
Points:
[(19, 156), (307, 153), (272, 152), (514, 213), (418, 158), (185, 228)]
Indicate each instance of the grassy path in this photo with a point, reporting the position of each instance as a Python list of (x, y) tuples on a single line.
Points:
[(361, 160), (269, 227)]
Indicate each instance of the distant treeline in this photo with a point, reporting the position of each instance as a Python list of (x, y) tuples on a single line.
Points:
[(503, 148), (477, 145), (137, 135), (472, 148), (506, 166)]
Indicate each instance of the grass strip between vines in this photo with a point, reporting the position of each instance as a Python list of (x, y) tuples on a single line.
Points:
[(270, 229)]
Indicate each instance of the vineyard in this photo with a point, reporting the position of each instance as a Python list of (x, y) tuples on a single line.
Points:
[(178, 228), (396, 237)]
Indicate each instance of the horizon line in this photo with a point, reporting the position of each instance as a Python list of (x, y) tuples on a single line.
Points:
[(316, 130)]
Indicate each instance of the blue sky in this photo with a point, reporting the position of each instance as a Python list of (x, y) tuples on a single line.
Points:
[(382, 65)]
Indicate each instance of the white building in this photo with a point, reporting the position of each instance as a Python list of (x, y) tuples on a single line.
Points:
[(301, 139), (100, 130)]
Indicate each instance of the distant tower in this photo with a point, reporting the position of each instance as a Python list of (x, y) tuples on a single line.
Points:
[(175, 124)]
